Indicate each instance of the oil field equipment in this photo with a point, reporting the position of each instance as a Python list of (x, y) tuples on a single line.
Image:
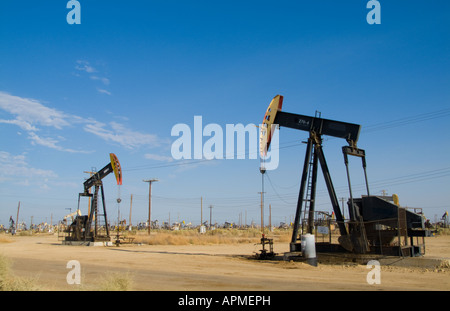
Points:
[(87, 228), (374, 222), (266, 253)]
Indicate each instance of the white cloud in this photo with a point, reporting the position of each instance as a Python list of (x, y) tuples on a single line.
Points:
[(16, 169), (51, 143), (103, 91), (21, 123), (30, 112), (47, 142), (105, 81), (31, 116), (83, 65), (118, 133)]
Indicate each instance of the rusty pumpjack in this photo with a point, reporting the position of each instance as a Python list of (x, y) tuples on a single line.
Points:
[(85, 228), (374, 222)]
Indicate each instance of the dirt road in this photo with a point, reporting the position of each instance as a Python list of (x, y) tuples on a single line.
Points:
[(208, 267)]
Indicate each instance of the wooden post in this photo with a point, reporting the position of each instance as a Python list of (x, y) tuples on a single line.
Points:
[(150, 181), (17, 217), (131, 205)]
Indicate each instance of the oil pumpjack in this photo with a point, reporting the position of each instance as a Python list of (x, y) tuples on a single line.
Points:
[(374, 222), (86, 228)]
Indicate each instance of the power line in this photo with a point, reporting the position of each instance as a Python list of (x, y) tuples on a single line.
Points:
[(294, 143), (408, 120), (200, 161), (415, 177), (273, 188)]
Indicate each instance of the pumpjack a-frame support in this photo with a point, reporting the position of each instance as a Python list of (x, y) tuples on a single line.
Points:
[(94, 215), (355, 238)]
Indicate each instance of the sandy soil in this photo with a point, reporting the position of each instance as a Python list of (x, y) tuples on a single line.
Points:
[(208, 267)]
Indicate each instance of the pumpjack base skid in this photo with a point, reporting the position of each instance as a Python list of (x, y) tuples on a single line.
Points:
[(88, 243), (96, 239), (388, 250), (390, 230), (320, 247)]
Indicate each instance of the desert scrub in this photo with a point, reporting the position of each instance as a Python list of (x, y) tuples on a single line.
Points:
[(443, 231), (9, 282), (117, 282), (217, 236), (5, 239)]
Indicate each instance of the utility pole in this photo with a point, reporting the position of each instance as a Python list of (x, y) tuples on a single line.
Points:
[(201, 211), (262, 170), (131, 205), (17, 218), (262, 211), (210, 216), (150, 181), (270, 218)]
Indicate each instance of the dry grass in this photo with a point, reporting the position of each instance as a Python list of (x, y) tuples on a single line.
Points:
[(443, 231), (10, 282), (218, 236), (5, 239), (116, 282)]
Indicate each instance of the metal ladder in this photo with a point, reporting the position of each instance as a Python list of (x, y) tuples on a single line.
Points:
[(308, 199), (403, 233)]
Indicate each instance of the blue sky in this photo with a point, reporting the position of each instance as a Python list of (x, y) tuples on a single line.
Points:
[(119, 82)]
